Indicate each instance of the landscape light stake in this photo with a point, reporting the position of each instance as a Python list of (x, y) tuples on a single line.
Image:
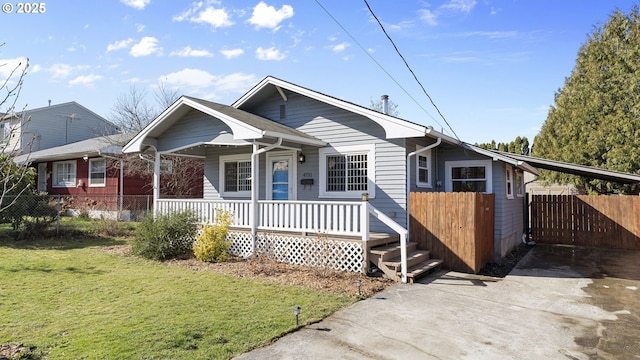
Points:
[(296, 312), (358, 284)]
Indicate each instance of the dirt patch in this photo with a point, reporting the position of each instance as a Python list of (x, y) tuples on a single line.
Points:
[(504, 267), (266, 268)]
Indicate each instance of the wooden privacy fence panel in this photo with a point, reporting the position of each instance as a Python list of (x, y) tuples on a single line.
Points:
[(601, 221), (455, 227)]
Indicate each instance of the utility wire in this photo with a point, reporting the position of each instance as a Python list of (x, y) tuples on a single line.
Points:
[(379, 65), (409, 67)]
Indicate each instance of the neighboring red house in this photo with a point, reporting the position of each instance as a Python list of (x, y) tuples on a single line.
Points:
[(93, 177)]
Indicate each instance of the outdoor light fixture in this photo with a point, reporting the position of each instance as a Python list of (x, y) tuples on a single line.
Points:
[(359, 284), (296, 312), (85, 157), (301, 158), (365, 196)]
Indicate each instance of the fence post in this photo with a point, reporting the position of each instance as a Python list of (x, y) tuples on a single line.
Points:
[(58, 209)]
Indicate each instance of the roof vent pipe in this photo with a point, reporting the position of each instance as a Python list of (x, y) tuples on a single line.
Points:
[(385, 104)]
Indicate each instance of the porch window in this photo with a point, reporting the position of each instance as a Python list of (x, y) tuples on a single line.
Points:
[(519, 183), (235, 175), (468, 176), (509, 181), (423, 169), (64, 174), (347, 171), (97, 172)]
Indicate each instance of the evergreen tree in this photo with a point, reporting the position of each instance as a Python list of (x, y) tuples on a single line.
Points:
[(595, 119)]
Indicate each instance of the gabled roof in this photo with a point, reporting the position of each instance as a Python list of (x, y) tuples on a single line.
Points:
[(244, 125), (575, 169), (4, 116), (103, 145), (394, 127)]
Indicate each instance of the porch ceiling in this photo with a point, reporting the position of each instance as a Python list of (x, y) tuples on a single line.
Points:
[(245, 127)]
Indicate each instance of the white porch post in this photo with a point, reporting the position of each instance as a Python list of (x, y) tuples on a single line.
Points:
[(156, 183), (253, 209), (364, 229)]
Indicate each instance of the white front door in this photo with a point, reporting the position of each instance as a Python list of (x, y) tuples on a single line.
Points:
[(42, 177), (281, 176)]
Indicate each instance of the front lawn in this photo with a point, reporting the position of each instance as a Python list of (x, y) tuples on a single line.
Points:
[(72, 300)]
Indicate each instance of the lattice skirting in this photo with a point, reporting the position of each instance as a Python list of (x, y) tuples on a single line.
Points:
[(300, 250)]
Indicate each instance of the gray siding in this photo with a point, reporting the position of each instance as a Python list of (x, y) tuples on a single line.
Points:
[(194, 127), (509, 214)]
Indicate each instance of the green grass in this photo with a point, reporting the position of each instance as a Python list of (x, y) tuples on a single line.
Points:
[(71, 300)]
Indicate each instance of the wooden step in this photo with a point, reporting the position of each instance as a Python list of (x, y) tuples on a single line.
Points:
[(413, 258), (391, 251), (420, 269)]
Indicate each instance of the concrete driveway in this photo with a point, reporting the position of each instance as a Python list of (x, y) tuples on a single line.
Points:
[(558, 303)]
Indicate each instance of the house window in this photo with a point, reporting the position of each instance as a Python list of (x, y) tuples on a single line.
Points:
[(423, 169), (347, 171), (64, 174), (5, 132), (235, 175), (97, 172), (471, 176), (509, 181), (519, 183)]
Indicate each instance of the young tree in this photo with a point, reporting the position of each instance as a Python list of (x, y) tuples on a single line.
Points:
[(595, 119), (518, 146)]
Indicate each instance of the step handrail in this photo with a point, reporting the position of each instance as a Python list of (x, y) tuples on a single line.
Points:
[(403, 237)]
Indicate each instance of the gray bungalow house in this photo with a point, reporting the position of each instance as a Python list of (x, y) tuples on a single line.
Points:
[(293, 165)]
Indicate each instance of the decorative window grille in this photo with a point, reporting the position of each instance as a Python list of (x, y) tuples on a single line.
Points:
[(237, 176)]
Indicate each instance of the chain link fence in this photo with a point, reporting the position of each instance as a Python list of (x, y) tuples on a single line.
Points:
[(39, 212)]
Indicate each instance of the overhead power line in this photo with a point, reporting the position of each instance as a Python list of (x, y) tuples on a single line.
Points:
[(377, 63), (410, 70)]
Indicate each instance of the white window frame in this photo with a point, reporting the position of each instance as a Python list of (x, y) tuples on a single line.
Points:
[(232, 159), (54, 182), (5, 132), (104, 172), (449, 165), (426, 154), (508, 182), (519, 184), (368, 149)]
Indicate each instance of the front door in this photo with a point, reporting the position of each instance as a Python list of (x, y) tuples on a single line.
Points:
[(42, 177), (280, 177)]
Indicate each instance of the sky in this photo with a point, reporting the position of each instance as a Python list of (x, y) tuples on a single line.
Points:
[(491, 67)]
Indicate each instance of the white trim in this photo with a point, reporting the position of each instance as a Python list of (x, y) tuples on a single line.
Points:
[(468, 163), (519, 182), (427, 154), (90, 178), (231, 158), (54, 172), (280, 155), (369, 149), (508, 182)]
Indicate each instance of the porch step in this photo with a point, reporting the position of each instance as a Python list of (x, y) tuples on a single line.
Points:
[(424, 267), (414, 257), (391, 251)]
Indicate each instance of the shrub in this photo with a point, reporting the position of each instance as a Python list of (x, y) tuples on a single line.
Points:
[(210, 245), (166, 236)]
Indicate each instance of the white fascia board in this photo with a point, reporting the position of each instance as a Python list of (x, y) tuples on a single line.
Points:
[(394, 127), (295, 138), (240, 130), (135, 144), (504, 158)]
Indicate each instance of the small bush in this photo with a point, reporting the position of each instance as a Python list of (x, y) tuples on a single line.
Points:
[(210, 245), (166, 237)]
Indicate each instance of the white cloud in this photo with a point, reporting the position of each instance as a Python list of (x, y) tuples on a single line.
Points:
[(428, 17), (86, 80), (340, 47), (194, 78), (140, 27), (136, 4), (188, 51), (270, 54), (7, 66), (148, 45), (265, 16), (232, 53), (203, 81), (60, 71), (236, 82), (464, 6), (121, 44), (209, 15)]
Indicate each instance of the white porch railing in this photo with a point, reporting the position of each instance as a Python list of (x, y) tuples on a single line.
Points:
[(344, 218)]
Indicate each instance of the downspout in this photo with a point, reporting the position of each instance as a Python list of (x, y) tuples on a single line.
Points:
[(403, 247), (254, 188), (121, 190)]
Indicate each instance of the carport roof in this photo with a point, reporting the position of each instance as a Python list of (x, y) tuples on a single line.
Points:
[(575, 169)]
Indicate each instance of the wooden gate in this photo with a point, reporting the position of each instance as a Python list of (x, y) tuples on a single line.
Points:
[(600, 221)]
